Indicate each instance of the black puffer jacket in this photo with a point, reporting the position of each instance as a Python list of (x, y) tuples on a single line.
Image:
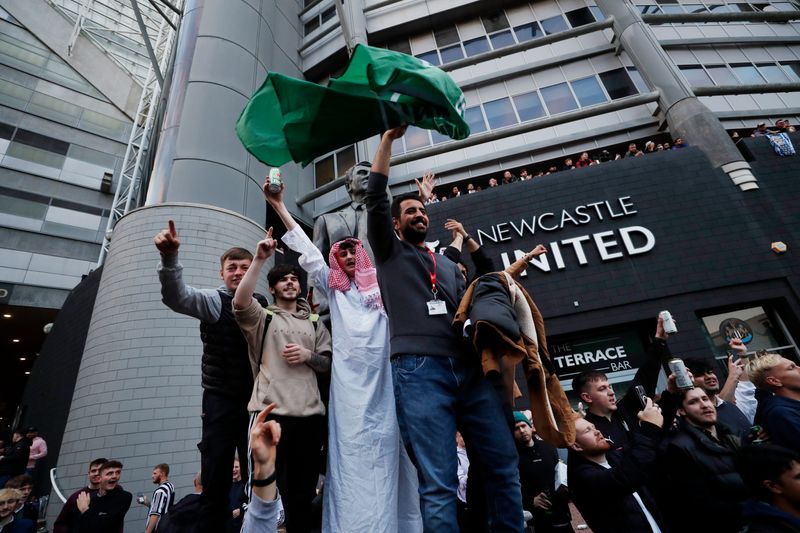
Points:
[(701, 484), (15, 460)]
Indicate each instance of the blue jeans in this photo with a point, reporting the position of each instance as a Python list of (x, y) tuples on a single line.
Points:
[(435, 396)]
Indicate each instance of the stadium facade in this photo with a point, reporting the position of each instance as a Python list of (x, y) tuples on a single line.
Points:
[(691, 228)]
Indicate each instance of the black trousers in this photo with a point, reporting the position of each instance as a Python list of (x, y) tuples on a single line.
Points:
[(225, 422), (297, 467)]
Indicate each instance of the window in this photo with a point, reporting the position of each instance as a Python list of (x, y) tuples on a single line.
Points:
[(400, 46), (759, 328), (528, 32), (416, 138), (695, 8), (773, 73), (649, 10), (54, 109), (558, 98), (597, 12), (318, 20), (451, 53), (792, 69), (748, 74), (554, 24), (446, 36), (431, 57), (22, 212), (328, 14), (495, 22), (329, 168), (311, 25), (722, 75), (474, 117), (588, 91), (638, 80), (85, 167), (502, 39), (580, 17), (438, 137), (477, 46), (529, 106), (617, 83), (671, 9), (500, 113), (696, 76)]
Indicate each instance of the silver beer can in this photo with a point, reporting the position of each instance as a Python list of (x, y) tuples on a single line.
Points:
[(669, 324), (682, 380), (274, 180)]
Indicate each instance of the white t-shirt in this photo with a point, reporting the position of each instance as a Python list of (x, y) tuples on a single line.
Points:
[(638, 499), (746, 399)]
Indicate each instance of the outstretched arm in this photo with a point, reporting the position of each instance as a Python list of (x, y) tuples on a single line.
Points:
[(244, 292), (379, 218)]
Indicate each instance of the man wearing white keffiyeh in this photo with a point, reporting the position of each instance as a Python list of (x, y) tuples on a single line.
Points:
[(371, 485)]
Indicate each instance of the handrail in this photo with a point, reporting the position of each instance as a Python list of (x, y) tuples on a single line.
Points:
[(755, 16), (55, 485), (752, 88)]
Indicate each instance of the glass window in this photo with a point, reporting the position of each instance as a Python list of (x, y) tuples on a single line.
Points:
[(785, 6), (345, 159), (695, 8), (13, 95), (773, 73), (792, 69), (451, 53), (494, 22), (748, 74), (579, 17), (759, 328), (311, 25), (324, 171), (529, 106), (721, 8), (105, 125), (671, 9), (617, 83), (474, 117), (743, 7), (558, 98), (446, 36), (86, 167), (41, 141), (528, 32), (588, 91), (416, 138), (477, 46), (638, 80), (696, 76), (722, 75), (554, 24), (328, 14), (401, 46), (500, 113), (438, 137), (648, 10), (502, 39), (431, 57), (597, 12), (21, 213), (70, 217), (54, 109)]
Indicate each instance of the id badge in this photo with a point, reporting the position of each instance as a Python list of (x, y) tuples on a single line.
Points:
[(437, 307)]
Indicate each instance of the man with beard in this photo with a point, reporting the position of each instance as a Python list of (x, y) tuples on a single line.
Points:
[(227, 377), (537, 474), (287, 345), (438, 387), (727, 413), (104, 511), (608, 486), (699, 475)]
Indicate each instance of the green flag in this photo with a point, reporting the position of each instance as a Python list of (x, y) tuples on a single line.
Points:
[(294, 120)]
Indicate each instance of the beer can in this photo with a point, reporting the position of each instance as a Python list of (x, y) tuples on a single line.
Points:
[(274, 180), (669, 324), (682, 380)]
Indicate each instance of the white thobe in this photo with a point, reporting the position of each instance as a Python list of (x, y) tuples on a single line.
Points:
[(370, 485)]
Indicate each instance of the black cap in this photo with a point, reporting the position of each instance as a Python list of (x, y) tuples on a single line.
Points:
[(32, 429)]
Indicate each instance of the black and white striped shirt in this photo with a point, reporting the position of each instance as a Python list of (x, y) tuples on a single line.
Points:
[(162, 500)]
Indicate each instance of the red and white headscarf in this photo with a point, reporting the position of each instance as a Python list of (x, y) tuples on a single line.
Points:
[(366, 277)]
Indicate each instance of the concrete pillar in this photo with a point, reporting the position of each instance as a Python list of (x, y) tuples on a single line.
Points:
[(137, 395), (686, 115)]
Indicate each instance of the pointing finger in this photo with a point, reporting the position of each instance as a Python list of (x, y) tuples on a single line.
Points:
[(269, 233), (172, 231)]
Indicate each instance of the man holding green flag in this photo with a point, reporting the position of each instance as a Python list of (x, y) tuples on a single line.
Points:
[(295, 120)]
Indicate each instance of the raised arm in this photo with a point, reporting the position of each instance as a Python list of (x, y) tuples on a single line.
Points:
[(311, 259), (202, 304), (379, 218), (244, 292)]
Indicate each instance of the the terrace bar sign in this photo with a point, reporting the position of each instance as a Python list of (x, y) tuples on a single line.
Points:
[(610, 244)]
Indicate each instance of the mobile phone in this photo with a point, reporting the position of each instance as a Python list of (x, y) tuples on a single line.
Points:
[(641, 394)]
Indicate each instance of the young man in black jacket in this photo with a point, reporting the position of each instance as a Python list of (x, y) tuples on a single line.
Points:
[(437, 386), (699, 476), (608, 487), (15, 460), (104, 511)]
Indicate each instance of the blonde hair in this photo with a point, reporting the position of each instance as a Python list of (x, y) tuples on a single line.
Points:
[(758, 369), (10, 494)]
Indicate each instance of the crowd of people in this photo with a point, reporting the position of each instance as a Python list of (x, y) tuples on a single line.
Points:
[(19, 505), (418, 431), (569, 163)]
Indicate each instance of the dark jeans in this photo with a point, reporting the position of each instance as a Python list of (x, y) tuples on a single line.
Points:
[(225, 421), (434, 396), (297, 467)]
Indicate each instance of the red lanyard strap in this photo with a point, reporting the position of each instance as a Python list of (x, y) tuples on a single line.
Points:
[(432, 274)]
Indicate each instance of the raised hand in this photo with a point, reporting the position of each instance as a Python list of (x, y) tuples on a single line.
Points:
[(738, 346), (264, 438), (735, 368), (266, 247), (539, 250), (395, 133), (651, 413), (83, 500), (167, 240), (425, 187), (273, 198)]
